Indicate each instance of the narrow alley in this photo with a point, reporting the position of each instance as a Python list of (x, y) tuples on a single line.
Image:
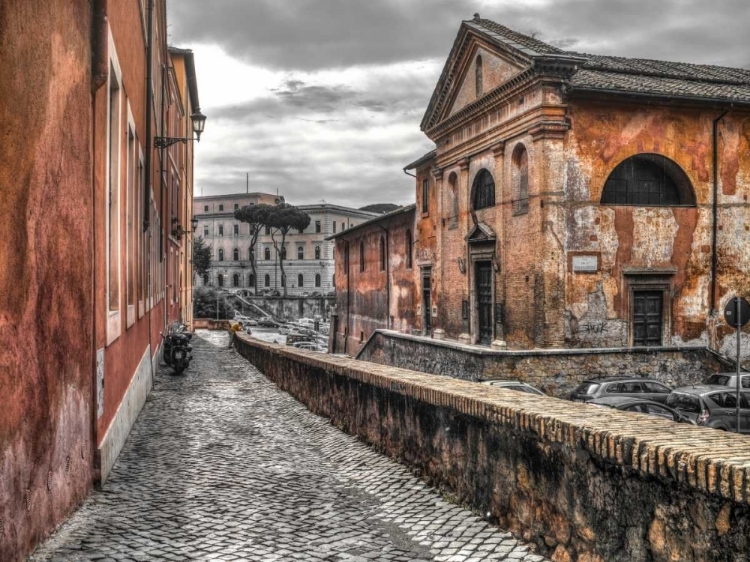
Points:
[(221, 465)]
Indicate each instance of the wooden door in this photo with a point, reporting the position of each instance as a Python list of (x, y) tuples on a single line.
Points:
[(647, 318), (484, 301)]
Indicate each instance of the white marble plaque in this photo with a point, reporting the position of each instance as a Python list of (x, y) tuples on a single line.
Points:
[(585, 264)]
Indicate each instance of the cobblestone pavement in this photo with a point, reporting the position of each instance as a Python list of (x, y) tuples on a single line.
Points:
[(223, 466)]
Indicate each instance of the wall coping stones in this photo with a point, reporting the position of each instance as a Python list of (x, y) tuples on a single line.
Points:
[(710, 461)]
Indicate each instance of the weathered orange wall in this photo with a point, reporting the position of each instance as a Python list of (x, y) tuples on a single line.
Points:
[(46, 357)]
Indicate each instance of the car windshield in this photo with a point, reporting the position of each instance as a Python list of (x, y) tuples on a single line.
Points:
[(586, 388), (522, 388), (684, 402), (718, 379)]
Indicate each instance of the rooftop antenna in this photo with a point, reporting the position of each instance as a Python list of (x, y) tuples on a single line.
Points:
[(247, 188)]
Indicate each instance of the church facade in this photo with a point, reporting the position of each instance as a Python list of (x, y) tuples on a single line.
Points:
[(577, 201)]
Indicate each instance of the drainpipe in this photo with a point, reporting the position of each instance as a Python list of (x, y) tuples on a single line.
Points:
[(99, 76), (149, 116), (348, 293), (387, 279), (715, 211), (408, 174)]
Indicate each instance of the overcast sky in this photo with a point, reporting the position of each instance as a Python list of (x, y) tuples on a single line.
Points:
[(322, 99)]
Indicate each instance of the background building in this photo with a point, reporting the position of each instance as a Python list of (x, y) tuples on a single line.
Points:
[(309, 263)]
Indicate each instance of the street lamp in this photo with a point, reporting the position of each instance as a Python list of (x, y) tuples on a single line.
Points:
[(199, 123), (177, 232)]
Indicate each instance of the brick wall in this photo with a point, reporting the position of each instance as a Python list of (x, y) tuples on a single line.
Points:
[(583, 483)]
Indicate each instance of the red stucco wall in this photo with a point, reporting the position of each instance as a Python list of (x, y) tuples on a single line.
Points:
[(45, 268)]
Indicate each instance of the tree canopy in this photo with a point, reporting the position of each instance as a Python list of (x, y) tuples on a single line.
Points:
[(201, 256)]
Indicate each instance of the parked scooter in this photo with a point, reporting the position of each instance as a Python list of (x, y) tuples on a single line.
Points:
[(177, 351)]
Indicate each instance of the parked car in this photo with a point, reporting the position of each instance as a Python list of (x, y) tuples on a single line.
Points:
[(629, 404), (284, 330), (267, 322), (712, 406), (515, 385), (637, 387), (728, 379), (251, 322)]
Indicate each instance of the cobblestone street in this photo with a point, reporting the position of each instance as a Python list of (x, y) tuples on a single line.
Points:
[(221, 465)]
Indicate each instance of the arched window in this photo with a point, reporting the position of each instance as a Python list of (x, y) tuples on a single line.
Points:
[(317, 252), (267, 253), (300, 253), (283, 252), (648, 180), (221, 254), (250, 254), (205, 278), (300, 280), (220, 280), (452, 207), (361, 256), (235, 280), (520, 183), (382, 254), (343, 227), (484, 190), (283, 279), (317, 279), (236, 255), (478, 71), (267, 280), (251, 280), (408, 249)]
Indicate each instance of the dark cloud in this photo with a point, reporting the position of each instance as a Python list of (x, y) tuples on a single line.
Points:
[(314, 34)]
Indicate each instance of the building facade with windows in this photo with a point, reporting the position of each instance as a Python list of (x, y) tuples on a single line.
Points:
[(578, 200), (96, 248), (308, 257)]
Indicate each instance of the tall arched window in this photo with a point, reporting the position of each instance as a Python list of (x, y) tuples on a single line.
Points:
[(648, 180), (220, 280), (452, 207), (283, 279), (520, 183), (382, 254), (361, 256), (484, 190), (317, 279), (235, 280), (221, 254), (300, 253), (251, 280), (300, 280), (236, 254), (408, 249), (478, 70), (267, 253), (267, 280), (317, 252), (283, 252)]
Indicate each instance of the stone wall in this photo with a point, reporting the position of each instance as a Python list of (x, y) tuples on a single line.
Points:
[(583, 483), (289, 308), (557, 371)]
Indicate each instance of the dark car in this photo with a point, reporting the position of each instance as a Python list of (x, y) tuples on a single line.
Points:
[(635, 387), (728, 379), (515, 385), (628, 404), (712, 406), (268, 323)]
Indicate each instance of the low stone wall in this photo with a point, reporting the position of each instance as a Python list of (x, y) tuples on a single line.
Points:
[(211, 324), (581, 482), (557, 371)]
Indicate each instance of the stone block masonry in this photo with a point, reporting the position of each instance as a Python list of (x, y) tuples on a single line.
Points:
[(581, 482), (557, 371)]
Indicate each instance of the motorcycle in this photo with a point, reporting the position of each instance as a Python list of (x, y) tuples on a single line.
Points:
[(177, 351)]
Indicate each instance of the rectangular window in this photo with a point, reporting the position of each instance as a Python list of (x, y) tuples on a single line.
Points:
[(236, 206), (221, 230), (268, 230), (236, 229), (141, 256), (334, 227), (205, 231), (131, 170), (113, 242), (317, 226), (221, 207), (205, 208), (425, 196)]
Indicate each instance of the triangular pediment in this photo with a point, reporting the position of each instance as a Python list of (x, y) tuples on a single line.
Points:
[(482, 232), (505, 54)]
